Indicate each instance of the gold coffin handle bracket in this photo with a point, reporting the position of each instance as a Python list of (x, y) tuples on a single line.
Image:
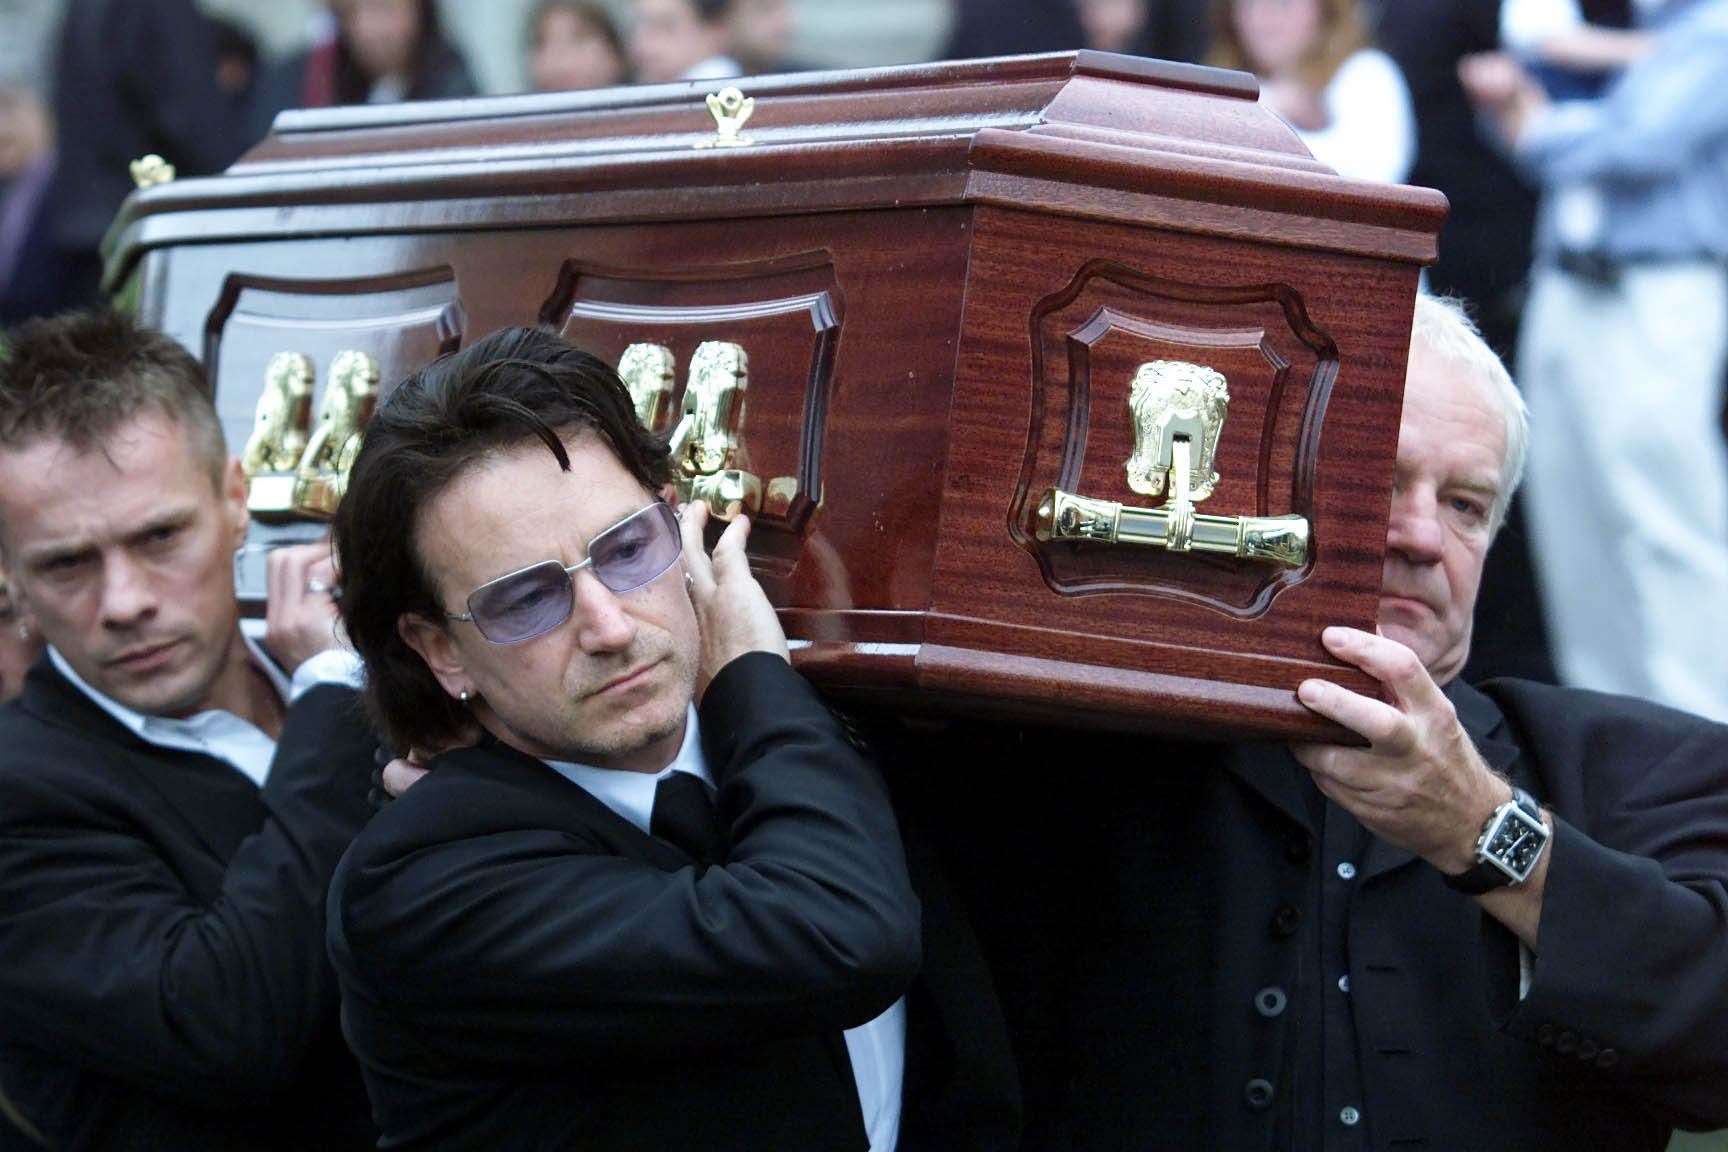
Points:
[(280, 429), (649, 372), (1178, 410), (322, 476), (705, 440)]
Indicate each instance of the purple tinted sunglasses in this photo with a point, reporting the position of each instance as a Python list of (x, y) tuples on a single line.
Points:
[(534, 600)]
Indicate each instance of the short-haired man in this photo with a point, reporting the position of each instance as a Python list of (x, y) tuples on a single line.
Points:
[(663, 902), (682, 40), (173, 794), (1259, 947)]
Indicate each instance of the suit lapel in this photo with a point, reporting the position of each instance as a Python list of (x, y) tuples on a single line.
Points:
[(212, 802), (573, 804), (1482, 723)]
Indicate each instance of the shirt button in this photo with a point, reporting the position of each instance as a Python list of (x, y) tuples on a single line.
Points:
[(1270, 1002), (1346, 871), (1349, 1117), (1607, 1058), (1344, 985), (1545, 1035), (1587, 1050), (1286, 920), (1258, 1093), (1567, 1043)]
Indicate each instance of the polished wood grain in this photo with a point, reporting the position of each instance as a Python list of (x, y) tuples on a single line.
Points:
[(945, 277)]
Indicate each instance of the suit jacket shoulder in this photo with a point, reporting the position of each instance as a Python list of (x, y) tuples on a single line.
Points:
[(1631, 957), (161, 927)]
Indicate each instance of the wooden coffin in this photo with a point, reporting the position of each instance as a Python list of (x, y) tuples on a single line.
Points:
[(965, 293)]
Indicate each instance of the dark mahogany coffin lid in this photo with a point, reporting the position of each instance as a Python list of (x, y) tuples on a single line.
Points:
[(1080, 133)]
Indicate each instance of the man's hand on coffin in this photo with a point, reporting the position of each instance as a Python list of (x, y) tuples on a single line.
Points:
[(1420, 784), (400, 775), (300, 618), (732, 612)]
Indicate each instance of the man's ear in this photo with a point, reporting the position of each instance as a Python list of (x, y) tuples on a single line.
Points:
[(438, 649), (233, 490)]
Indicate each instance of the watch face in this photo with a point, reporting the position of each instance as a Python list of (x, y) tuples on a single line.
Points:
[(1517, 842)]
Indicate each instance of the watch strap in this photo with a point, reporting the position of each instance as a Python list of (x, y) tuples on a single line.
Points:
[(1486, 876)]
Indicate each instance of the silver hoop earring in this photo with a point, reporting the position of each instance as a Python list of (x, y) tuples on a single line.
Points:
[(23, 630)]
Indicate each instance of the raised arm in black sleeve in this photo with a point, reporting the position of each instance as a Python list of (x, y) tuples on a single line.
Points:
[(507, 919)]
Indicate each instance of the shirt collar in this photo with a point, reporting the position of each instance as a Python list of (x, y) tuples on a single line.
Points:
[(134, 721), (631, 794)]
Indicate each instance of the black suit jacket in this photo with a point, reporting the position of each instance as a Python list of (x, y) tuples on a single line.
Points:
[(1137, 902), (522, 968), (132, 77), (162, 973)]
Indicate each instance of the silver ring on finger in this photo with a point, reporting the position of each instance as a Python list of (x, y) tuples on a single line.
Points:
[(316, 587)]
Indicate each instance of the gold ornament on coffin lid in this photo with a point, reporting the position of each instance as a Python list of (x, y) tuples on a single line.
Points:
[(731, 110), (149, 171)]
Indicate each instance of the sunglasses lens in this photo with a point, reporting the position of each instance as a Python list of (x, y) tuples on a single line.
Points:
[(522, 605), (635, 551)]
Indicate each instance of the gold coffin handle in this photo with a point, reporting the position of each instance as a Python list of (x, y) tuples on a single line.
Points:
[(1274, 539), (705, 441), (322, 477), (726, 493)]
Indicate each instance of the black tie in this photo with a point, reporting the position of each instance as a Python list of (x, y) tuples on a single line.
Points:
[(684, 816)]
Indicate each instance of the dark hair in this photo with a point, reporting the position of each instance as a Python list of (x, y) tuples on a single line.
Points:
[(712, 11), (233, 40), (512, 387), (432, 55), (82, 376), (591, 12)]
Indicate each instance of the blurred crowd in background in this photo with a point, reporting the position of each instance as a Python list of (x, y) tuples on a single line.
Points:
[(1583, 145)]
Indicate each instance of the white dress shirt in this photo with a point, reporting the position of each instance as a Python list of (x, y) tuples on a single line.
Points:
[(713, 68), (877, 1049), (236, 742)]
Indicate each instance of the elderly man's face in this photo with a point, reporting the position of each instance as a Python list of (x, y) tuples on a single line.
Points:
[(1451, 452), (610, 686), (125, 556)]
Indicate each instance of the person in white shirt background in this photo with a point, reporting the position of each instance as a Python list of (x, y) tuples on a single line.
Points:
[(1347, 101)]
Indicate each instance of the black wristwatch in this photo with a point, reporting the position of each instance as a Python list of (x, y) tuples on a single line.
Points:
[(1511, 843)]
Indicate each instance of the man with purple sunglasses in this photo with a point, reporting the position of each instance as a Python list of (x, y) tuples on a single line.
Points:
[(654, 897)]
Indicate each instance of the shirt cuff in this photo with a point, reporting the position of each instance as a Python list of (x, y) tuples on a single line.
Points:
[(332, 666)]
